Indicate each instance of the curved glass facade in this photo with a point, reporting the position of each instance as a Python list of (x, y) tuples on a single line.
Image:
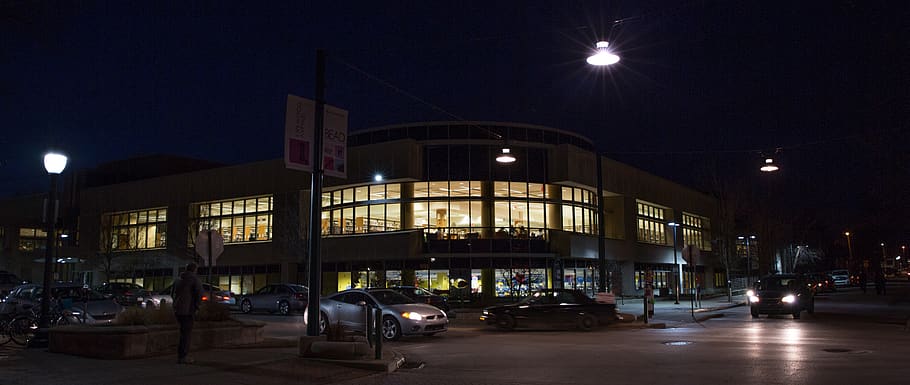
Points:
[(460, 209)]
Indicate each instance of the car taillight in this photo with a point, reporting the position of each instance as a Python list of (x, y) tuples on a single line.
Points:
[(226, 298), (205, 298), (300, 296)]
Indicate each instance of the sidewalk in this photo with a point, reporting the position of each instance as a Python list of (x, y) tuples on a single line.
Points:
[(257, 365)]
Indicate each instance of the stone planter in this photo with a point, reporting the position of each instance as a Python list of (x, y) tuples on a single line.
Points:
[(352, 348), (124, 342)]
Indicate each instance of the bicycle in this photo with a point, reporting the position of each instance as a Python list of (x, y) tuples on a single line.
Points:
[(23, 327)]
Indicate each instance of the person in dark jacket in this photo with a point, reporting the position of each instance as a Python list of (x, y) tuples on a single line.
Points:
[(187, 298)]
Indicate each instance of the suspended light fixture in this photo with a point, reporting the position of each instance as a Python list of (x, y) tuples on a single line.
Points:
[(505, 157), (603, 56), (769, 166)]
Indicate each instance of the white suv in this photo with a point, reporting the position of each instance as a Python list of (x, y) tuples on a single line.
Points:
[(841, 277)]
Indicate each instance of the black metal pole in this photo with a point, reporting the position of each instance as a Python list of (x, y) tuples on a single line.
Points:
[(601, 229), (676, 268), (41, 339), (314, 263)]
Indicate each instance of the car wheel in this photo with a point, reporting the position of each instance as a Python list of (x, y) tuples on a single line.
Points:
[(284, 308), (391, 330), (755, 313), (323, 322), (587, 322), (505, 321), (246, 306)]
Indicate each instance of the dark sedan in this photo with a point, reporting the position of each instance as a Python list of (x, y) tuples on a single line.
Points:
[(126, 294), (552, 308), (781, 294), (422, 295), (281, 298)]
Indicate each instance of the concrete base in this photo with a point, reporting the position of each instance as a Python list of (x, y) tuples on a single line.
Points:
[(125, 342), (355, 353)]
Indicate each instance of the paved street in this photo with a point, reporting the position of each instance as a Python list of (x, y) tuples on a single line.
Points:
[(852, 338)]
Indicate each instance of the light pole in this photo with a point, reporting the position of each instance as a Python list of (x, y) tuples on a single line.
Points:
[(676, 265), (849, 248), (883, 253), (54, 163), (748, 258), (432, 259)]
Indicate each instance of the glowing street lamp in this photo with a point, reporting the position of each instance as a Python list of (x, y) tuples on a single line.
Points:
[(769, 166), (603, 56), (54, 164)]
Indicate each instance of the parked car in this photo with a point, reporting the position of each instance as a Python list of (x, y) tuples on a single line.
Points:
[(73, 301), (422, 295), (781, 294), (281, 298), (400, 315), (551, 308), (820, 282), (841, 277), (166, 295), (126, 294)]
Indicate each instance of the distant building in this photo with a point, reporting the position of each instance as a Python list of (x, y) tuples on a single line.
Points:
[(445, 215)]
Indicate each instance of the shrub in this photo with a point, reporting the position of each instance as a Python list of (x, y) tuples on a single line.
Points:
[(213, 312), (146, 316)]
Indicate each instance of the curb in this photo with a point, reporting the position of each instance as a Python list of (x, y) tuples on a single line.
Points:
[(387, 365)]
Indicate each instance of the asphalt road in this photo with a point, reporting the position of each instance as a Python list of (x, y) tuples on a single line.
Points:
[(852, 338)]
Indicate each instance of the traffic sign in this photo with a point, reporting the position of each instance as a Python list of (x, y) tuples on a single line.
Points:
[(690, 254), (209, 239)]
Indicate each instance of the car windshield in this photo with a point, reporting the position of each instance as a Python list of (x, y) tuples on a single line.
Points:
[(298, 288), (777, 283), (388, 297)]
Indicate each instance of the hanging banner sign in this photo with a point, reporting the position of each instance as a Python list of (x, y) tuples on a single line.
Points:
[(299, 134)]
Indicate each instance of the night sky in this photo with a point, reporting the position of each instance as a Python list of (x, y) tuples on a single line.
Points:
[(702, 90)]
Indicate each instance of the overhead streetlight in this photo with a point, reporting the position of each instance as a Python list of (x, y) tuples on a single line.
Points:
[(603, 56), (377, 177), (769, 166), (506, 156)]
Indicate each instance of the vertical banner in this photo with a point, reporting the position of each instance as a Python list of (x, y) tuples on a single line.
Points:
[(335, 142), (299, 129)]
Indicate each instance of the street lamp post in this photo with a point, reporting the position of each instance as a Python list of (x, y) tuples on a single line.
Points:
[(432, 259), (849, 248), (676, 265), (884, 257), (54, 164)]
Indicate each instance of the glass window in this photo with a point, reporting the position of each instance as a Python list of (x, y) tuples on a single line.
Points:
[(460, 215), (238, 220), (421, 214), (376, 220), (361, 193), (360, 219), (326, 199), (460, 189), (393, 217), (336, 197), (501, 189), (501, 215), (127, 232), (439, 189), (348, 195), (421, 190), (393, 191), (377, 192), (518, 189), (536, 190), (536, 216), (566, 193)]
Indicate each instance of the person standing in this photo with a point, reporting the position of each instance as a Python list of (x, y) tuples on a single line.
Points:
[(187, 297)]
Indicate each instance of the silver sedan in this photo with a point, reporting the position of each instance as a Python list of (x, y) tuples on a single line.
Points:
[(400, 314)]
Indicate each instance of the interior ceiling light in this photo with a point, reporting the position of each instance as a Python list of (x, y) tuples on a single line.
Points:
[(505, 157), (769, 166), (603, 56)]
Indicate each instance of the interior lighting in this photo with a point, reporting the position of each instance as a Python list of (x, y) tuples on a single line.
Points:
[(769, 166), (603, 56), (505, 157)]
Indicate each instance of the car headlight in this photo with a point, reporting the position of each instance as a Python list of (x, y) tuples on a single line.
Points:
[(486, 312), (788, 299), (412, 316), (753, 298), (750, 294)]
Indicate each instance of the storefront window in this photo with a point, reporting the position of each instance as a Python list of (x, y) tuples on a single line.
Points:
[(132, 231), (238, 220)]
